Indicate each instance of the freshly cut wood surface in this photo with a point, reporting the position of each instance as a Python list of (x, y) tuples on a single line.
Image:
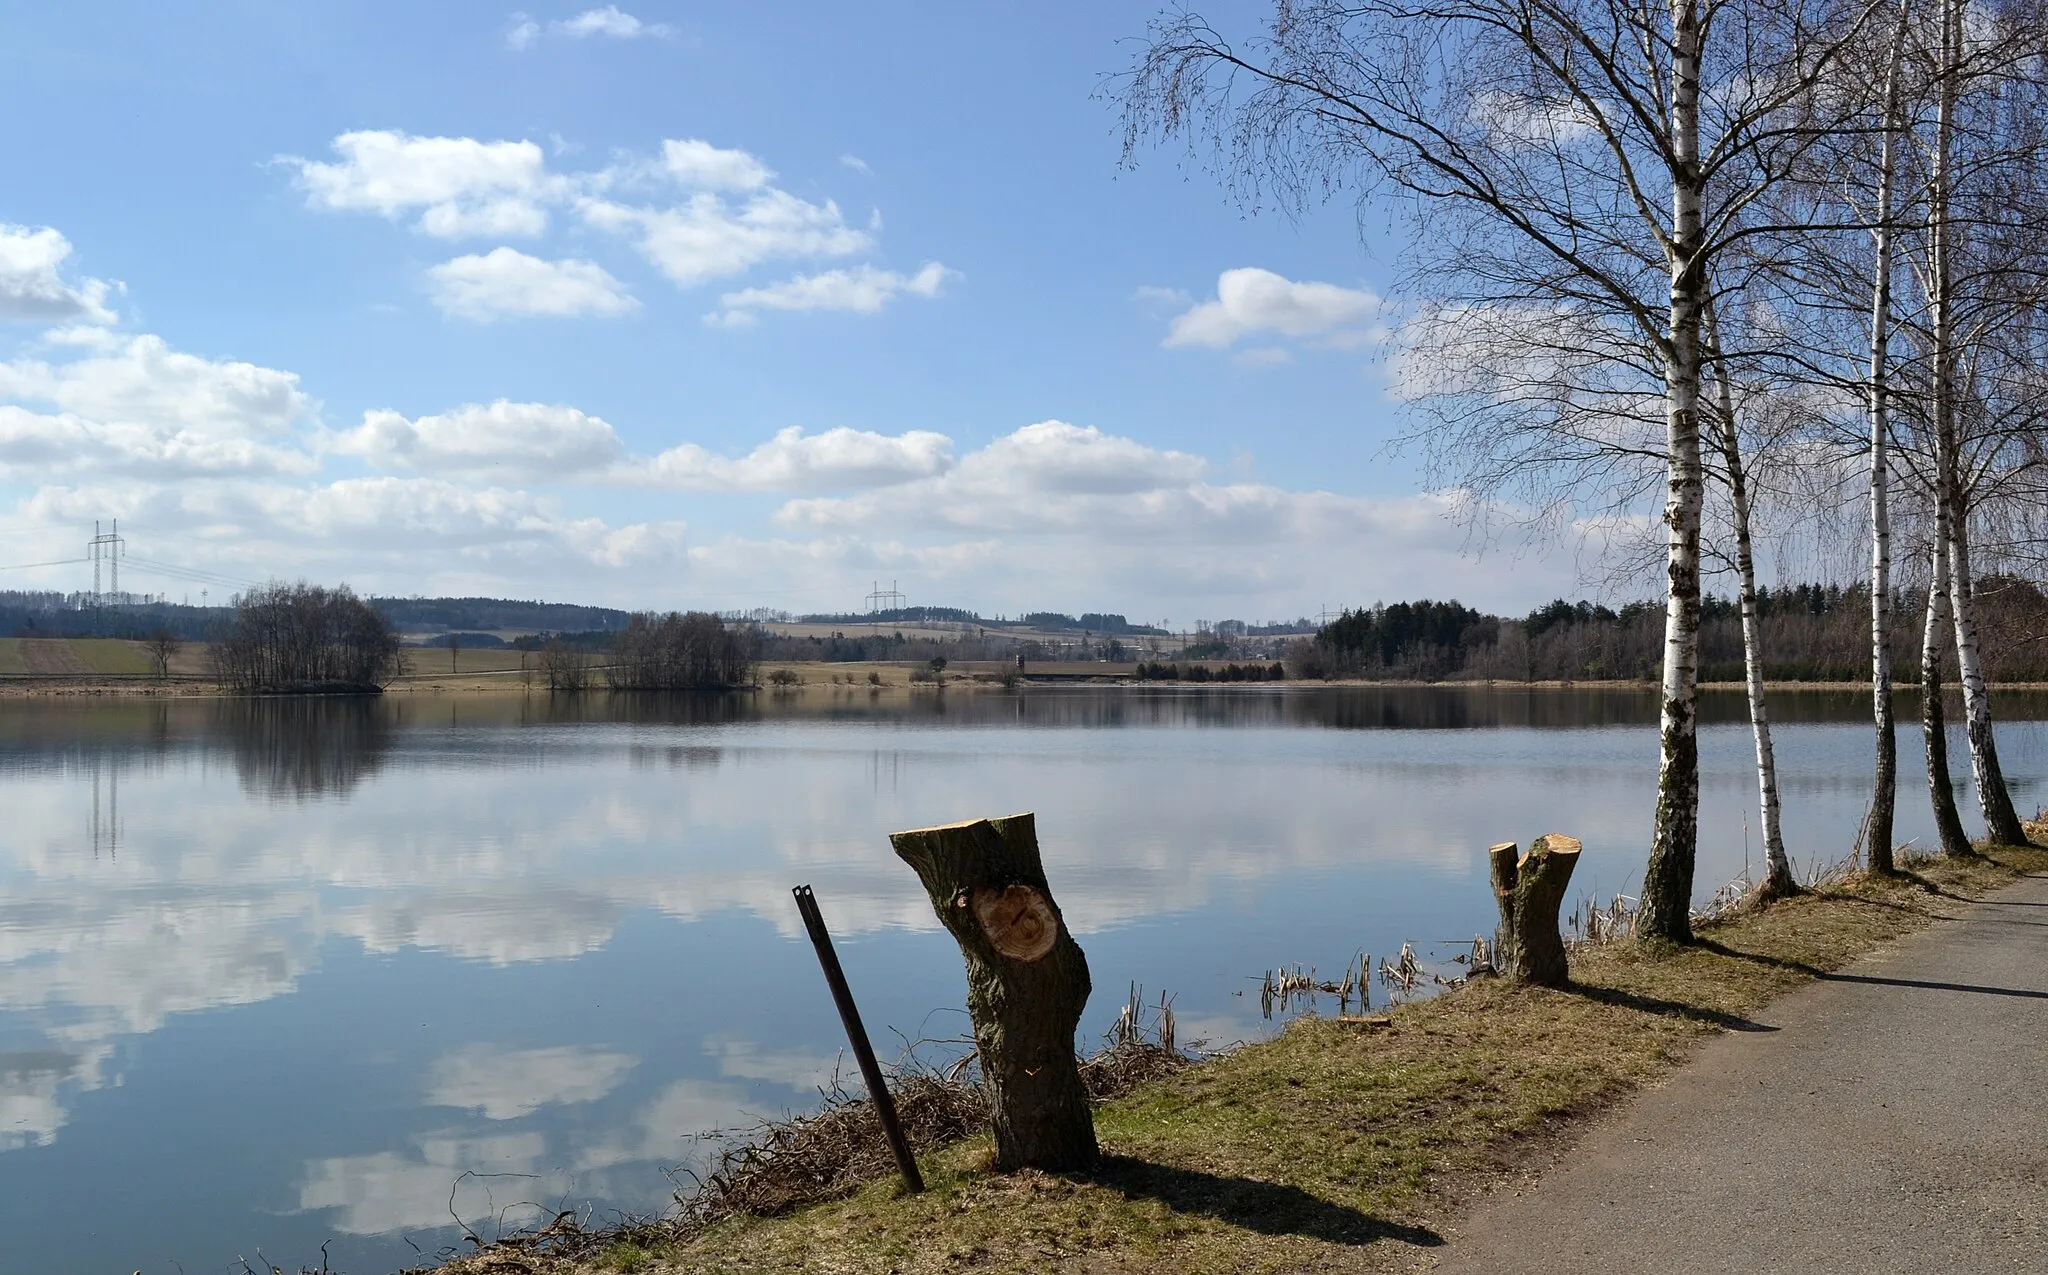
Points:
[(1017, 920)]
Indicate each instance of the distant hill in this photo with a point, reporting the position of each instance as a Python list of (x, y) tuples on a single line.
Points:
[(413, 615)]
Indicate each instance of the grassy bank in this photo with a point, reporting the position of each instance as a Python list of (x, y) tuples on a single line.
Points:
[(1335, 1146)]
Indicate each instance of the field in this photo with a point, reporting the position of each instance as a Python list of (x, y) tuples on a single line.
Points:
[(91, 657)]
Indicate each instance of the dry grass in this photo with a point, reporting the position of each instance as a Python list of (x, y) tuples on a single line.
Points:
[(1335, 1146)]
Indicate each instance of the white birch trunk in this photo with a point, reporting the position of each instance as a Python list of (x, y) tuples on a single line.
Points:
[(1668, 876), (1994, 801), (1877, 827), (1778, 879), (1941, 793)]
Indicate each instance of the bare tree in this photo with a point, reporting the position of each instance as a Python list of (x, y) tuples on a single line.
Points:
[(163, 646), (302, 637), (565, 668), (1591, 158)]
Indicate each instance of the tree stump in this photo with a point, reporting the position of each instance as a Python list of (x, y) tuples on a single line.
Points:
[(1027, 983), (1530, 891)]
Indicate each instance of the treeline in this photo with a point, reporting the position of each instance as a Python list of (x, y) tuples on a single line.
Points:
[(854, 648), (1099, 623), (305, 638), (39, 613), (415, 614), (1153, 671), (1810, 633), (677, 651)]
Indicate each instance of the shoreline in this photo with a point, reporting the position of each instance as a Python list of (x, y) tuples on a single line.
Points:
[(1337, 1144), (824, 677)]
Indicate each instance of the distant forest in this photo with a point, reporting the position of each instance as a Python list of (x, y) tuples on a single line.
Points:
[(1098, 623), (1811, 633), (52, 614)]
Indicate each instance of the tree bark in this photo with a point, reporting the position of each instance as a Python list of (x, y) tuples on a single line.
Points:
[(1878, 827), (1027, 983), (1994, 800), (1530, 892), (1667, 878), (1778, 882), (1955, 843)]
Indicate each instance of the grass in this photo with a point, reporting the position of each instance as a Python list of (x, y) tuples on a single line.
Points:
[(10, 658), (1334, 1146), (112, 655)]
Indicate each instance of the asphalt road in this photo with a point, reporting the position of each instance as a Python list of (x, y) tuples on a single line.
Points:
[(1894, 1119)]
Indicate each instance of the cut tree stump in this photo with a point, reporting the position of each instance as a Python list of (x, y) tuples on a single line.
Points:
[(1027, 983), (1530, 890)]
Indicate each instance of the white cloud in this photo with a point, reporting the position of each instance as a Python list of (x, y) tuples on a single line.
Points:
[(1250, 300), (505, 1084), (696, 212), (794, 1068), (135, 405), (705, 237), (862, 290), (795, 461), (389, 1191), (609, 21), (32, 285), (460, 186), (505, 282), (857, 164), (694, 162), (503, 439), (507, 441)]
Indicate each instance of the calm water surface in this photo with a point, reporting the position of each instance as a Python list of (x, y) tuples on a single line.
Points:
[(275, 974)]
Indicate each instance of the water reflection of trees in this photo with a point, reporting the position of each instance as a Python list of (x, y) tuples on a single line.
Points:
[(639, 708), (298, 748), (1443, 707)]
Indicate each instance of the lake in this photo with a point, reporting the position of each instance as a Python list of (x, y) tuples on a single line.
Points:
[(275, 974)]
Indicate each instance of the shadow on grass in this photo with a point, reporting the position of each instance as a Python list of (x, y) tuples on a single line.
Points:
[(1658, 1005), (1253, 1205)]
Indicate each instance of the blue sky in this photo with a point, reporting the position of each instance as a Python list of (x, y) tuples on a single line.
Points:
[(682, 306)]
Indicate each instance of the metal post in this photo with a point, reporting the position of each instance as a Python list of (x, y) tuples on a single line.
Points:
[(857, 1036)]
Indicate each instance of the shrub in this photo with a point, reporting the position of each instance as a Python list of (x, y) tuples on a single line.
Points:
[(785, 677), (565, 669)]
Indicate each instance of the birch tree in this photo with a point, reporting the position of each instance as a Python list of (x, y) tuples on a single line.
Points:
[(1987, 123), (1877, 827), (1593, 157), (1778, 879)]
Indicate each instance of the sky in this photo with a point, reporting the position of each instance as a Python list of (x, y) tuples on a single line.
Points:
[(692, 306)]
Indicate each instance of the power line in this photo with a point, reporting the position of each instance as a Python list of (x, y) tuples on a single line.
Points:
[(61, 562), (197, 574)]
